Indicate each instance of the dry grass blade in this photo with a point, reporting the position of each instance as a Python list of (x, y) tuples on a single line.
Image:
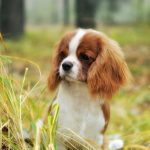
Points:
[(73, 139)]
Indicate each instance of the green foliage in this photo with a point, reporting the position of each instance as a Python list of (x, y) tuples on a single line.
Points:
[(52, 124), (18, 116)]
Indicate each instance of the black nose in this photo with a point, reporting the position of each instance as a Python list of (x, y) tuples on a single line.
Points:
[(67, 66)]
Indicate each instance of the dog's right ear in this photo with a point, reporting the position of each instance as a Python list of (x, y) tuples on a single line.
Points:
[(54, 79), (60, 52)]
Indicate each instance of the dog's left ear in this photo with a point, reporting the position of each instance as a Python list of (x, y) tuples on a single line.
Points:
[(109, 71)]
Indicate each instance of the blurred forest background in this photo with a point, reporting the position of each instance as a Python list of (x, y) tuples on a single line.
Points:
[(86, 13), (30, 30)]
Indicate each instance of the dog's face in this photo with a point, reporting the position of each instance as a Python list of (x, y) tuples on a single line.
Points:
[(90, 57), (80, 52)]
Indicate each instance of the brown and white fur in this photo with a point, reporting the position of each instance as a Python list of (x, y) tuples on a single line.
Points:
[(89, 68)]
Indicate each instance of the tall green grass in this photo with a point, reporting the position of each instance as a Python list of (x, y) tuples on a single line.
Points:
[(13, 96)]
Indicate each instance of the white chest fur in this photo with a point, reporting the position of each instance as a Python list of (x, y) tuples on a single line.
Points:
[(79, 112)]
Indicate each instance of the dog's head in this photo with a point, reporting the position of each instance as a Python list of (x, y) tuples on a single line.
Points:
[(91, 57)]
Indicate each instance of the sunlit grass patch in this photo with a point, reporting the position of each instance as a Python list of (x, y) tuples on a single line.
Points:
[(130, 117), (11, 109), (14, 124), (129, 34)]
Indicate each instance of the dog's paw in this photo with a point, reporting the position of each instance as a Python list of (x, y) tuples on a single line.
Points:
[(116, 144)]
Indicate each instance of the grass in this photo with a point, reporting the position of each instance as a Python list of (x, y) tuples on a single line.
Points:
[(24, 96), (14, 113)]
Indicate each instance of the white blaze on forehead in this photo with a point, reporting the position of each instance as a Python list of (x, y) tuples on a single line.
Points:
[(72, 57), (75, 41)]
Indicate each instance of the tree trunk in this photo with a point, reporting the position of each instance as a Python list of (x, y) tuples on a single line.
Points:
[(66, 12), (112, 9), (85, 13), (12, 22), (0, 15)]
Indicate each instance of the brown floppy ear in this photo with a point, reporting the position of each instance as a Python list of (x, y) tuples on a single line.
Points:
[(54, 79), (109, 71)]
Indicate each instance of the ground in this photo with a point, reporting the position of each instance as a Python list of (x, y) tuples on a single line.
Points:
[(25, 76)]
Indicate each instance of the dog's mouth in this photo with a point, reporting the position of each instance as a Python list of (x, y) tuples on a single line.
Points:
[(67, 78)]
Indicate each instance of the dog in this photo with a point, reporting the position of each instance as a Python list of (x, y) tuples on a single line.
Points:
[(88, 68)]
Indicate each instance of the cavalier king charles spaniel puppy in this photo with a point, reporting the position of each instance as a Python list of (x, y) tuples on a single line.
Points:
[(89, 69)]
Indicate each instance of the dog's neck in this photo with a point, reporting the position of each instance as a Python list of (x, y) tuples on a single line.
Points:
[(75, 90)]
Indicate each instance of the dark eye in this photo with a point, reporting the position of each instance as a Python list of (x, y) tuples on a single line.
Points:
[(84, 57), (62, 55)]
